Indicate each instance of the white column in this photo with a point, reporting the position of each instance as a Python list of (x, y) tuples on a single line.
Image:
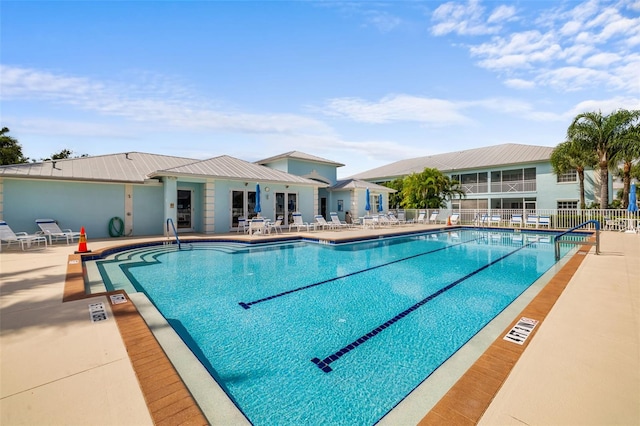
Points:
[(209, 206)]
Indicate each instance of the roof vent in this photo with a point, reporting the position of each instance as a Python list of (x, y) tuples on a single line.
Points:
[(53, 164), (126, 154)]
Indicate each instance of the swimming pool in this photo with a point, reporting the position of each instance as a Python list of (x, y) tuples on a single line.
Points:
[(305, 333)]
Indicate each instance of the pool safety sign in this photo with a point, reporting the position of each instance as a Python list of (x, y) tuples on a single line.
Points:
[(519, 333), (117, 299), (97, 312)]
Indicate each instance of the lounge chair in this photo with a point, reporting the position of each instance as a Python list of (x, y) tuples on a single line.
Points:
[(516, 220), (275, 226), (7, 235), (434, 217), (393, 220), (532, 220), (421, 217), (482, 220), (544, 221), (369, 222), (495, 219), (321, 222), (402, 217), (298, 222), (337, 223), (454, 218), (51, 230)]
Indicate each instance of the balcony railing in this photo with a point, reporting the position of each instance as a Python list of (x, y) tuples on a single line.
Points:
[(514, 186)]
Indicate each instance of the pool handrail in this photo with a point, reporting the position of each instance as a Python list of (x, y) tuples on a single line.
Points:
[(175, 232), (597, 243)]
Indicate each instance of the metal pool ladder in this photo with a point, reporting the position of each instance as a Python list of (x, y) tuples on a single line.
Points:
[(582, 225), (175, 232)]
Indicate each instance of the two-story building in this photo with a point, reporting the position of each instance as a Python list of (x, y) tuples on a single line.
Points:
[(509, 176)]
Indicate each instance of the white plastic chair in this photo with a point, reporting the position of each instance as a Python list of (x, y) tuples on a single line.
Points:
[(7, 235), (50, 229)]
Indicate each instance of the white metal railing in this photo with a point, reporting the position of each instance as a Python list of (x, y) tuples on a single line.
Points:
[(609, 219), (514, 186)]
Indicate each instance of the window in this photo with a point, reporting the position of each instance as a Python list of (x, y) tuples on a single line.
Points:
[(567, 205), (571, 176)]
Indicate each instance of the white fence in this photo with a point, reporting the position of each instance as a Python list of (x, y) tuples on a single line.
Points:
[(609, 219)]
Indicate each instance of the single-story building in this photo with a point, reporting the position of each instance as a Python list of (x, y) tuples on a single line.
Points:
[(135, 193)]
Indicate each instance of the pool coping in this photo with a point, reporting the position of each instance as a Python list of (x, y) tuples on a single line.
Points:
[(169, 400)]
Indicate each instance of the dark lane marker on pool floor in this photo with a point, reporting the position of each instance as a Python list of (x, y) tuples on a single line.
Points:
[(247, 305), (323, 364)]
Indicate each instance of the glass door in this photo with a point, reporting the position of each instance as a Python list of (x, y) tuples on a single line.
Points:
[(184, 210), (237, 207)]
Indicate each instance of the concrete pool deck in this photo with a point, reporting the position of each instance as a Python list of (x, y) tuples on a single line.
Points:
[(582, 365)]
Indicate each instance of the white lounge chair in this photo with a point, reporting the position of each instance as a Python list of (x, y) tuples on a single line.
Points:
[(393, 220), (422, 217), (516, 220), (544, 221), (337, 223), (495, 219), (402, 217), (369, 222), (7, 235), (434, 217), (454, 218), (51, 230), (322, 222), (275, 226), (298, 222), (532, 220)]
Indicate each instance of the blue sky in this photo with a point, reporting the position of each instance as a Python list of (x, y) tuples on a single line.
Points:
[(363, 83)]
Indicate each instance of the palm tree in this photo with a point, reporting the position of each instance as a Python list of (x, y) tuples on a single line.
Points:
[(571, 155), (601, 133), (628, 151), (429, 189)]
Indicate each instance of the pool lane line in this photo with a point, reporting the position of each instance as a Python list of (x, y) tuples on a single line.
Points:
[(323, 364), (247, 305)]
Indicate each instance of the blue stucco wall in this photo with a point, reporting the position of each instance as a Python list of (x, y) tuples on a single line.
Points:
[(72, 204), (148, 214)]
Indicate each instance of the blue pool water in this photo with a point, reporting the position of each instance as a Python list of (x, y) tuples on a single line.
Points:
[(307, 334)]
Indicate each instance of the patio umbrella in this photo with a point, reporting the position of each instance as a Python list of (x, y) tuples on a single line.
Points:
[(380, 203), (633, 204), (257, 208), (367, 206)]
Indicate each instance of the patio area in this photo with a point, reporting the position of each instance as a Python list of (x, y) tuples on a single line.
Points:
[(582, 365)]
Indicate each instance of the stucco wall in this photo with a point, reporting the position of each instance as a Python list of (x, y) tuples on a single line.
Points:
[(72, 204)]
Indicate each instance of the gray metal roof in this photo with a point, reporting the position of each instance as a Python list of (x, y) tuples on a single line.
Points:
[(359, 184), (497, 155), (299, 156), (136, 167), (124, 167), (226, 167)]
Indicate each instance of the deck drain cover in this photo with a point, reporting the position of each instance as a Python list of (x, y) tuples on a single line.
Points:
[(97, 312), (519, 333)]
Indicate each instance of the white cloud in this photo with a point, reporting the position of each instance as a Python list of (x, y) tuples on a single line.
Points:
[(518, 83), (463, 19), (569, 49), (383, 21), (396, 108), (169, 105), (502, 13), (600, 60)]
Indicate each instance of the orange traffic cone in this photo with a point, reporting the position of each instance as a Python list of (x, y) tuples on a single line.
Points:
[(448, 220), (82, 244)]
